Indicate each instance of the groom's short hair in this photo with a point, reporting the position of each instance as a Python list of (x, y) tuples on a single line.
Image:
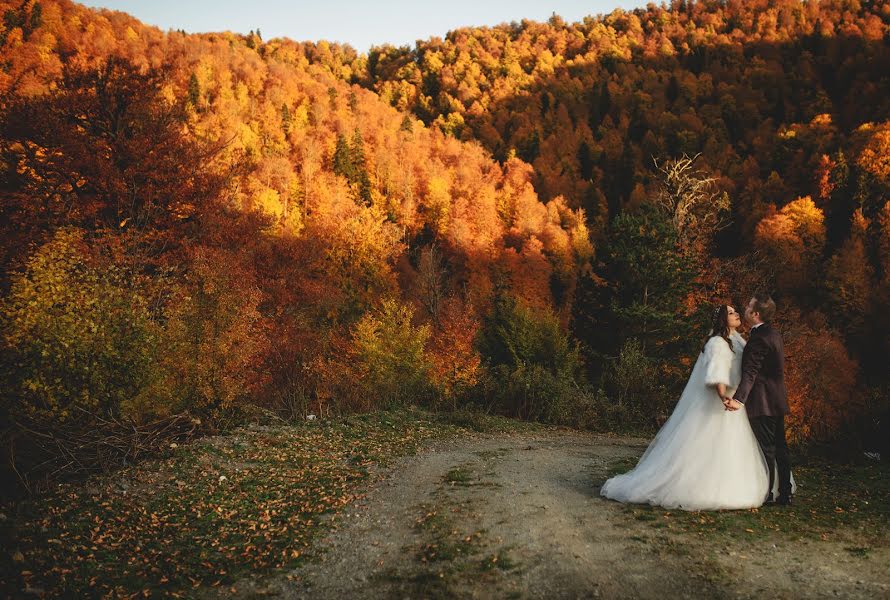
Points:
[(764, 305)]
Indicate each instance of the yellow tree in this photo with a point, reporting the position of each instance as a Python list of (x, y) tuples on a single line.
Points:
[(875, 157), (791, 241)]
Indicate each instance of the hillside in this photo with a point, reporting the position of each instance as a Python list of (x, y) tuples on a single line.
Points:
[(203, 223)]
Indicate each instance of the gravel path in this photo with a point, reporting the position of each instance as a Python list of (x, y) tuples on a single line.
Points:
[(519, 516)]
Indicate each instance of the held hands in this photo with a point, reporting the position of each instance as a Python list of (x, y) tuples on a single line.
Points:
[(731, 404)]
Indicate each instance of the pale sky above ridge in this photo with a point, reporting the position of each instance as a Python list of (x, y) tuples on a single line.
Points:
[(359, 24)]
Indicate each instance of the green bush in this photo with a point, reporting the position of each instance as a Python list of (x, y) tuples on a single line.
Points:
[(632, 374), (391, 361), (100, 365), (532, 366), (78, 336), (640, 396), (515, 335)]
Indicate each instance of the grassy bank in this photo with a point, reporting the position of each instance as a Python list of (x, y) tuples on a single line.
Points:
[(250, 501), (848, 503)]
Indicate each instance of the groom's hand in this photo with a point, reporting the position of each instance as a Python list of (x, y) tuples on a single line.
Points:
[(733, 404)]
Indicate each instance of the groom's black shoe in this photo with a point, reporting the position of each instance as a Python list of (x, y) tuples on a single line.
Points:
[(783, 501)]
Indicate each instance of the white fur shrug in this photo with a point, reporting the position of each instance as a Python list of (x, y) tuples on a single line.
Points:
[(723, 365)]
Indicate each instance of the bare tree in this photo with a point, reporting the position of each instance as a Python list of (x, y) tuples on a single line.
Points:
[(310, 157), (692, 200), (431, 280)]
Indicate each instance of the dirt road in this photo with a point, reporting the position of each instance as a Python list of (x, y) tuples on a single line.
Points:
[(519, 516)]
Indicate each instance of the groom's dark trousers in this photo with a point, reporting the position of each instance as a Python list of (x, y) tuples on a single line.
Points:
[(770, 434), (762, 391)]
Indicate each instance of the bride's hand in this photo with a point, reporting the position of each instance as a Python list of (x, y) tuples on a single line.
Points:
[(733, 405)]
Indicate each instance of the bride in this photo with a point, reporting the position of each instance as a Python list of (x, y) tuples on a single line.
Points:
[(704, 457)]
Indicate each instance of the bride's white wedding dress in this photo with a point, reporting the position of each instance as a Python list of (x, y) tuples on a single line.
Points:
[(704, 457)]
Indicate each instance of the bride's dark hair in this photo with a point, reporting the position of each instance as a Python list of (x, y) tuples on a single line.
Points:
[(720, 326)]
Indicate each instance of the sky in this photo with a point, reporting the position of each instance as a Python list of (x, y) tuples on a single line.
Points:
[(361, 24)]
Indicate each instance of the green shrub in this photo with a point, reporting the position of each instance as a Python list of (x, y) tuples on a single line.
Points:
[(99, 364), (632, 374), (515, 335), (78, 336), (391, 361), (640, 396), (532, 367)]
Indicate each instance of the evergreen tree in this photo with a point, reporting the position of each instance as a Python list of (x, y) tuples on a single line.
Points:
[(585, 161), (353, 101), (516, 335), (652, 279), (343, 159), (361, 180), (407, 124), (194, 91), (36, 16), (840, 209), (285, 118), (350, 162)]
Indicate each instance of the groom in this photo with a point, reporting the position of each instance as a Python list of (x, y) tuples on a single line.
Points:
[(762, 392)]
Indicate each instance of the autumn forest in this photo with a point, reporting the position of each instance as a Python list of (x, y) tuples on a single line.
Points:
[(535, 219)]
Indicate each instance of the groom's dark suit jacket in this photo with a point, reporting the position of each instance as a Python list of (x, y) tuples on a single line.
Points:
[(762, 388)]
